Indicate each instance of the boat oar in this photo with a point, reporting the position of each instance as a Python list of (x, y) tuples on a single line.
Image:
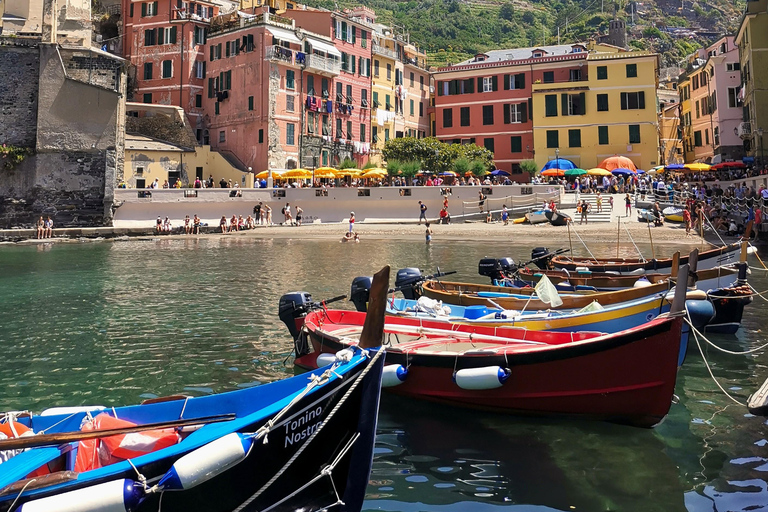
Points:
[(68, 437), (373, 328)]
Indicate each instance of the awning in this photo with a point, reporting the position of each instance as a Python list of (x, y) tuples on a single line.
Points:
[(324, 47), (284, 35)]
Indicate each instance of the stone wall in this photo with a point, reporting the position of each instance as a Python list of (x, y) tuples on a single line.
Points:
[(19, 69), (78, 138)]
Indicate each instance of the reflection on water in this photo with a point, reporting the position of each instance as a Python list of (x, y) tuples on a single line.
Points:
[(114, 323)]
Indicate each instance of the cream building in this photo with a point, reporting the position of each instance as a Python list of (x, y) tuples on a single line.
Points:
[(71, 23)]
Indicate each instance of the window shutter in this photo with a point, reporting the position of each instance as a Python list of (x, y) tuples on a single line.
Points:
[(354, 35), (495, 83), (564, 104), (530, 106), (523, 112), (147, 36), (344, 30), (641, 99), (203, 69), (352, 58), (521, 85), (582, 103), (226, 51), (623, 101), (143, 9), (479, 84), (439, 88), (507, 117), (236, 44), (212, 49), (154, 8), (173, 35), (160, 34), (507, 79)]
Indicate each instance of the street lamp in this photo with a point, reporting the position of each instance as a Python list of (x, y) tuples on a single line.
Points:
[(557, 157)]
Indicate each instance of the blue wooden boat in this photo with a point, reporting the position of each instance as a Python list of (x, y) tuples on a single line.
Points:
[(320, 429)]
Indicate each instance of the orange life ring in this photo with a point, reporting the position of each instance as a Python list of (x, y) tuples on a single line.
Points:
[(13, 429)]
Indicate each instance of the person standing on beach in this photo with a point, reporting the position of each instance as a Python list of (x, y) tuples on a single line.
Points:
[(585, 206), (422, 212), (504, 215), (688, 222), (627, 205), (351, 222), (599, 201), (482, 198)]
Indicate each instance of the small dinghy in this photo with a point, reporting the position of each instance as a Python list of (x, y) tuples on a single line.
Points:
[(537, 217), (673, 214), (557, 218)]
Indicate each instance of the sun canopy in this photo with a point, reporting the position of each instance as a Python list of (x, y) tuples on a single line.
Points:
[(375, 173), (283, 35), (297, 173), (265, 174), (553, 172), (622, 171), (575, 172), (698, 167), (499, 172), (322, 46), (597, 171), (616, 162), (559, 163)]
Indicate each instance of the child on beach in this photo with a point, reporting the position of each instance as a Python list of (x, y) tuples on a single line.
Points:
[(428, 233), (505, 215), (627, 205)]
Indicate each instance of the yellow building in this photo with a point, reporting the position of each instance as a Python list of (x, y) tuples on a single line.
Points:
[(148, 159), (383, 114), (752, 40), (607, 109), (670, 145), (686, 120)]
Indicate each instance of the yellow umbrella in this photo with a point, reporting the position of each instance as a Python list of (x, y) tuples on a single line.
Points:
[(375, 173), (265, 174), (349, 172), (325, 170), (597, 171), (297, 173), (698, 167)]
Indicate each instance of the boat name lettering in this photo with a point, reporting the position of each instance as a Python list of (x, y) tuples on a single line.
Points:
[(300, 428)]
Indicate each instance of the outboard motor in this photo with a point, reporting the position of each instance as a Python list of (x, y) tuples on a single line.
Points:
[(496, 269), (361, 292), (541, 256), (293, 307), (407, 281)]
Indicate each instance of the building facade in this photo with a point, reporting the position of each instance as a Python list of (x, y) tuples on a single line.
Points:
[(752, 40), (607, 108), (166, 44)]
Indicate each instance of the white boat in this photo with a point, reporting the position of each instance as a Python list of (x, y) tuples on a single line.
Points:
[(537, 217)]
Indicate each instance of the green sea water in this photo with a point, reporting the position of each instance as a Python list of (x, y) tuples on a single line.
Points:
[(113, 323)]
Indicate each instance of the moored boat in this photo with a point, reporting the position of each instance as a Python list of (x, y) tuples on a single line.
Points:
[(537, 217), (644, 215), (627, 376), (673, 214), (556, 218), (216, 458)]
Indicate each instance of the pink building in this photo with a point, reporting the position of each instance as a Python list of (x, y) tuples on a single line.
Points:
[(166, 43), (264, 88), (716, 110), (347, 105)]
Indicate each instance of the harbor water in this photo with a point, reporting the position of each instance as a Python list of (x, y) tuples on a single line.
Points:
[(114, 323)]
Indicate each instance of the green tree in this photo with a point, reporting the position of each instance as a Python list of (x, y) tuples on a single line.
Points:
[(394, 167), (506, 12), (461, 166), (478, 168), (348, 163), (529, 166), (410, 169)]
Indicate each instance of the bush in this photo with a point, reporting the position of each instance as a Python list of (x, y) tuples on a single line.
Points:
[(348, 163), (478, 168), (11, 156), (461, 166)]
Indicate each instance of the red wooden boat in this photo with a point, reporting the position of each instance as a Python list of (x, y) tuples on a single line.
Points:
[(626, 377)]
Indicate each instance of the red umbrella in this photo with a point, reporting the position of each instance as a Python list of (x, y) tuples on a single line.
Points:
[(617, 162), (730, 165)]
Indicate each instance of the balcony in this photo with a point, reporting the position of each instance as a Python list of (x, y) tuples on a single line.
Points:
[(322, 65), (280, 54), (385, 52), (744, 130)]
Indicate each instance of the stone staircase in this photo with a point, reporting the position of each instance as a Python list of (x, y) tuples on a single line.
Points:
[(605, 216)]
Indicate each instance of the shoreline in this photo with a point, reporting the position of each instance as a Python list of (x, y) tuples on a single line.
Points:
[(541, 234)]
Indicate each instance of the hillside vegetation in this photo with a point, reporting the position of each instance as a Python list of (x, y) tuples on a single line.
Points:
[(454, 30)]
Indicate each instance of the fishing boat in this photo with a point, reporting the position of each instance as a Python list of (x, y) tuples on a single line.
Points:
[(673, 214), (627, 376), (470, 294), (504, 272), (717, 257), (644, 215), (204, 453), (556, 218), (537, 217)]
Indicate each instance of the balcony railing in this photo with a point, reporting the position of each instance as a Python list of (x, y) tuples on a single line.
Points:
[(281, 54), (323, 64), (380, 50)]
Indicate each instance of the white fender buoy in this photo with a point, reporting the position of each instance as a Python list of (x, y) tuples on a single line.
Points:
[(206, 462), (343, 356), (55, 411), (325, 359), (393, 375), (115, 496), (751, 249), (642, 283), (488, 377)]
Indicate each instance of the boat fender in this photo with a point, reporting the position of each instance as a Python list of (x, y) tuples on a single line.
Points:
[(343, 356), (751, 249), (206, 462), (116, 496), (393, 375), (696, 295), (642, 283), (488, 377), (56, 411), (582, 269), (700, 311)]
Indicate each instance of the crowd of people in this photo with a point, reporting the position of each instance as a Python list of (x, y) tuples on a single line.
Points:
[(262, 216)]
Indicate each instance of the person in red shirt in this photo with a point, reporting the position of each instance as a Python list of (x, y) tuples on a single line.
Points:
[(687, 220)]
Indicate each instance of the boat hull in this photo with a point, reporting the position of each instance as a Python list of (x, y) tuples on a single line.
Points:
[(625, 377), (538, 217), (717, 257), (271, 471), (557, 218)]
